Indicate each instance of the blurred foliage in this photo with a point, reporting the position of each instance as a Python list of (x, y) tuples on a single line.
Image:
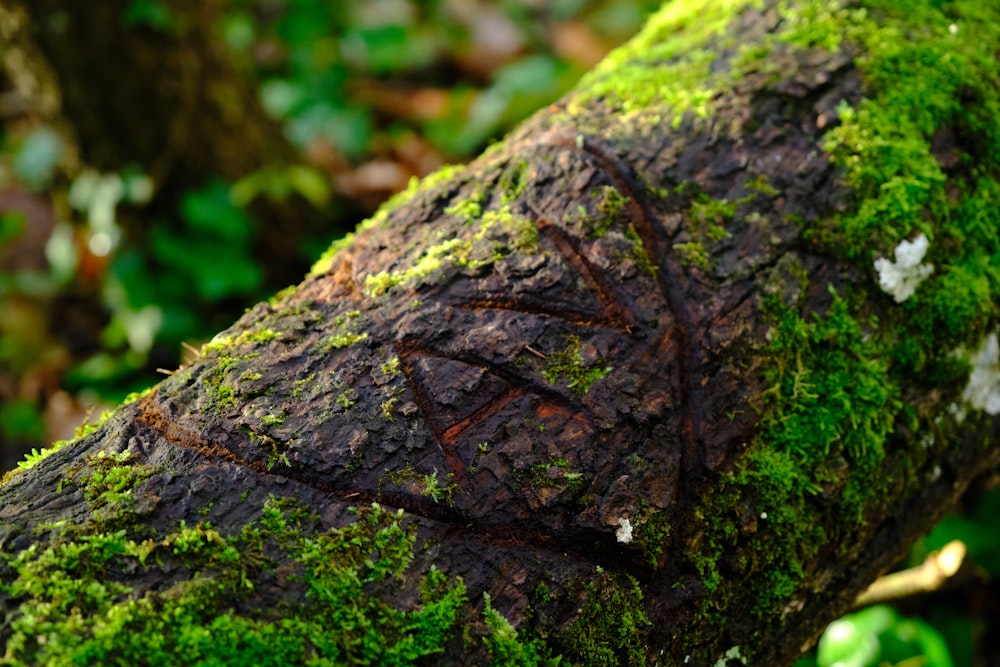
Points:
[(878, 636)]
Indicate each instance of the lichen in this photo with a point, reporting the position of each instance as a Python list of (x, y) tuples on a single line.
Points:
[(901, 278)]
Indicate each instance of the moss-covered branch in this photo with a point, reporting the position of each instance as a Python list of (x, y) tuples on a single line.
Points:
[(666, 377)]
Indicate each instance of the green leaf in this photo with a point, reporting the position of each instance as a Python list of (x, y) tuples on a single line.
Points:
[(151, 13)]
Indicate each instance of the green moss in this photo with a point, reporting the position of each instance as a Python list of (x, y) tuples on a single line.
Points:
[(652, 530), (391, 367), (708, 216), (831, 405), (922, 152), (568, 364), (281, 296), (610, 626), (554, 475), (917, 74), (346, 331), (257, 336), (225, 397), (325, 261), (387, 407), (506, 648), (415, 186), (497, 234), (345, 399), (137, 395), (692, 253), (428, 485), (668, 66), (514, 180), (76, 609), (36, 455), (338, 341), (273, 420), (468, 210), (610, 203), (112, 477), (831, 391)]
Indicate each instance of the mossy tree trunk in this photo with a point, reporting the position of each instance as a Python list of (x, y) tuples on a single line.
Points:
[(630, 379)]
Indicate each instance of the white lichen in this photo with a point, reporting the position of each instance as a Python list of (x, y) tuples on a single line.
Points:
[(624, 532), (983, 390), (900, 278)]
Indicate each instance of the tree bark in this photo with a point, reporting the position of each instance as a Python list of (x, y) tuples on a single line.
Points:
[(630, 378)]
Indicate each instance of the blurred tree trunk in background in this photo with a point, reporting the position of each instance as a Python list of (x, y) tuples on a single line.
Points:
[(163, 95), (633, 383)]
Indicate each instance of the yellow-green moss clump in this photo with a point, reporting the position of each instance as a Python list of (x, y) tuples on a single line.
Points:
[(496, 234)]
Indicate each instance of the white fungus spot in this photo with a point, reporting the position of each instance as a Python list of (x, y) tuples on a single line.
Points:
[(763, 515), (624, 532), (900, 278), (983, 390)]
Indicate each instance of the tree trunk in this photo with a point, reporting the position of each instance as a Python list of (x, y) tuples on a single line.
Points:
[(634, 380)]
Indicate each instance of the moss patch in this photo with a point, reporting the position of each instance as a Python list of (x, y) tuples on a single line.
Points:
[(496, 234), (610, 625), (78, 611), (669, 65), (569, 365)]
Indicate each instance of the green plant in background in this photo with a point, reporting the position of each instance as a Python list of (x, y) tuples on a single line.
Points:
[(878, 636), (157, 292)]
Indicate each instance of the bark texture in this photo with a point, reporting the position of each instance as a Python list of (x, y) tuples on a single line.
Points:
[(630, 375)]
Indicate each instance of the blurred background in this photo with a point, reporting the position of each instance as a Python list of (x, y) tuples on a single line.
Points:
[(166, 164)]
